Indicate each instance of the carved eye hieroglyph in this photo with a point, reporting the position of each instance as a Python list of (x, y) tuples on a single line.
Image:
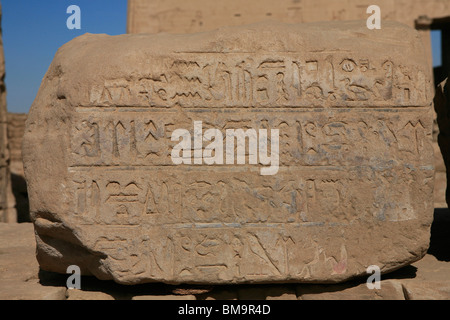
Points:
[(348, 65)]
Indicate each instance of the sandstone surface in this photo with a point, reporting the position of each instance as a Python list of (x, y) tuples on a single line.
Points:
[(20, 278), (354, 185), (179, 16), (7, 203), (16, 130)]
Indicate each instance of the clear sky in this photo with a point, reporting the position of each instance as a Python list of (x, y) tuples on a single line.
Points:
[(436, 45), (33, 31)]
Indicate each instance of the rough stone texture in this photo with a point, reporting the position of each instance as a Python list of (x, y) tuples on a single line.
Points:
[(428, 278), (17, 252), (16, 130), (30, 290), (74, 294), (219, 294), (389, 290), (442, 106), (7, 204), (354, 186), (267, 293), (179, 16), (440, 177), (19, 269), (426, 290)]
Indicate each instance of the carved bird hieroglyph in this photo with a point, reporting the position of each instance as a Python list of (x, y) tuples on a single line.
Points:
[(355, 92)]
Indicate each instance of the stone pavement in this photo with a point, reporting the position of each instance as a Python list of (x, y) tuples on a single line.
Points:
[(21, 279)]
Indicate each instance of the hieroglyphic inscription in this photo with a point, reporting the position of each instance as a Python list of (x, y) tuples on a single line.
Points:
[(236, 254), (229, 199), (354, 165), (337, 138), (239, 80), (117, 160), (326, 159)]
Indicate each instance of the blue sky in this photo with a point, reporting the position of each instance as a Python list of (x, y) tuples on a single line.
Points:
[(436, 45), (34, 30)]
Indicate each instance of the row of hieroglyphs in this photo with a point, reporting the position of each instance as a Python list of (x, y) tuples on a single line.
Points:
[(215, 80), (230, 253), (306, 139), (160, 197)]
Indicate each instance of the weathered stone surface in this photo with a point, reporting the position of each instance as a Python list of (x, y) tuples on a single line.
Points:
[(30, 290), (426, 290), (354, 187), (428, 278), (73, 294), (440, 177), (7, 203), (18, 252), (183, 291), (16, 130), (267, 293), (220, 294), (389, 290), (179, 16), (18, 266)]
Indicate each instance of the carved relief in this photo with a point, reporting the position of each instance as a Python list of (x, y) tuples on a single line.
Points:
[(335, 139), (355, 160), (236, 81)]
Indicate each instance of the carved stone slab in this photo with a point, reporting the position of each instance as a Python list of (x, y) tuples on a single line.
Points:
[(354, 183)]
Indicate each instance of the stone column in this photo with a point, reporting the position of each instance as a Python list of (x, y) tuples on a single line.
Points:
[(7, 203), (16, 129)]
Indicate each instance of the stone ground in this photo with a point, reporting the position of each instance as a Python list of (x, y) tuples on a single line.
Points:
[(21, 279)]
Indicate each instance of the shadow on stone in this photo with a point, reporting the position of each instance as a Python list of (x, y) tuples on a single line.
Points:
[(118, 291), (328, 288), (407, 272), (47, 278), (19, 189), (440, 235)]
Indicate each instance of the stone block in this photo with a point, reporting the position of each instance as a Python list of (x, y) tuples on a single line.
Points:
[(139, 169), (389, 290)]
